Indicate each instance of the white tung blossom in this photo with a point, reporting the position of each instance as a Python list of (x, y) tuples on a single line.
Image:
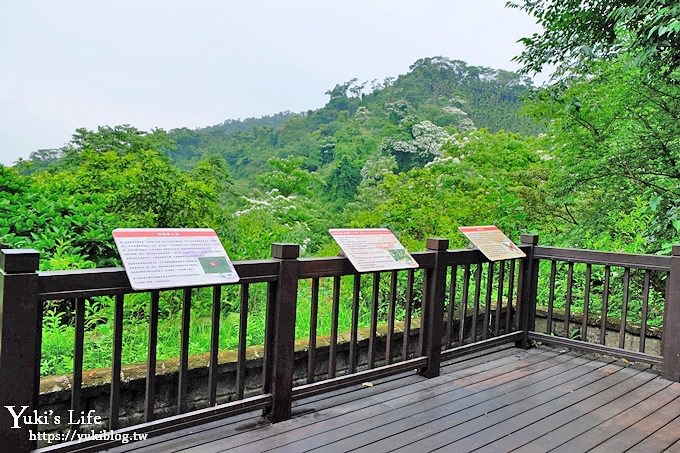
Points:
[(362, 113), (272, 201), (465, 124), (376, 169)]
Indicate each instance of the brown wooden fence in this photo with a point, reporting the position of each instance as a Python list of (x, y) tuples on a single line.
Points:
[(457, 300)]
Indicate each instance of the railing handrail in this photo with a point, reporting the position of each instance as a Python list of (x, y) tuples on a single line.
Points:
[(67, 284), (620, 259)]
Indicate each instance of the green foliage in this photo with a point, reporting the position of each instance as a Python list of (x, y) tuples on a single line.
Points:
[(288, 177), (576, 33), (615, 153), (477, 181), (108, 179), (359, 116)]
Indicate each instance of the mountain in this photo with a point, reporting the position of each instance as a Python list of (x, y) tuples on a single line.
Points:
[(361, 117)]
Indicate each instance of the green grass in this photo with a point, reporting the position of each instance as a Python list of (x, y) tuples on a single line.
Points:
[(59, 332)]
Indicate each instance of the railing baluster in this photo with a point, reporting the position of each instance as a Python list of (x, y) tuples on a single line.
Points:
[(182, 380), (313, 319), (114, 401), (605, 305), (567, 302), (452, 306), (520, 292), (390, 318), (149, 394), (464, 304), (645, 306), (478, 292), (332, 351), (213, 369), (499, 299), (422, 311), (409, 309), (586, 303), (487, 304), (511, 287), (242, 340), (624, 307), (354, 337), (374, 319), (551, 296), (268, 366), (77, 383)]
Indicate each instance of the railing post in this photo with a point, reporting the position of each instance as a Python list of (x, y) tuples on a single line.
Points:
[(282, 337), (433, 312), (20, 331), (527, 297), (671, 321)]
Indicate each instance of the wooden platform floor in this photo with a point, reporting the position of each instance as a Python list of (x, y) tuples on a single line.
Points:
[(534, 401)]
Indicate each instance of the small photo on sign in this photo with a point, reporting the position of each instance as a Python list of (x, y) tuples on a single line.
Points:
[(214, 265), (400, 255)]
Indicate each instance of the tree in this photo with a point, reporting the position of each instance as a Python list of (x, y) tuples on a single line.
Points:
[(476, 182), (122, 139), (577, 33), (343, 181), (615, 145), (288, 177)]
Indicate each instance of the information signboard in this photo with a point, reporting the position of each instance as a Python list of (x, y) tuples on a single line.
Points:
[(373, 249), (492, 242), (157, 258)]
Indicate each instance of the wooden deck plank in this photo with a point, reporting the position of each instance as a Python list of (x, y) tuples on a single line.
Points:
[(423, 424), (576, 429), (596, 408), (503, 400), (245, 422), (523, 414), (661, 440), (300, 428), (631, 436), (675, 448), (253, 420), (240, 423), (236, 433), (442, 434), (608, 429), (343, 437)]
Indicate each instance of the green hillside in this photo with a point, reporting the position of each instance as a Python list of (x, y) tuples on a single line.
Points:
[(361, 116)]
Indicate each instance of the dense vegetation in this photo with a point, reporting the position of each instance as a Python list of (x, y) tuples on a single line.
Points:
[(591, 160)]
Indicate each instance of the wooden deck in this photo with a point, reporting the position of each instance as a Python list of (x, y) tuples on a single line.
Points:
[(501, 400)]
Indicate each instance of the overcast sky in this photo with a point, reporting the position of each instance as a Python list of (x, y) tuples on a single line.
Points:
[(66, 64)]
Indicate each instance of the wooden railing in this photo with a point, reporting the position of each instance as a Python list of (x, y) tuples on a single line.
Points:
[(624, 284), (467, 304)]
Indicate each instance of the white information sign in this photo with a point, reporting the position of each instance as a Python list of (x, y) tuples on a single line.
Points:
[(373, 249), (157, 258), (492, 242)]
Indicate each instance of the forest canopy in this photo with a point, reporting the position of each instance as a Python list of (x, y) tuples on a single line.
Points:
[(590, 160)]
